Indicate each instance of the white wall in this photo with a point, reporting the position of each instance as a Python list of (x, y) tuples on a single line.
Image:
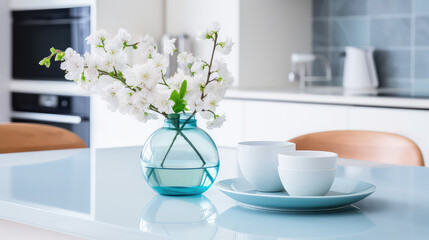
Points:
[(113, 129), (185, 16), (138, 17), (270, 31), (5, 60)]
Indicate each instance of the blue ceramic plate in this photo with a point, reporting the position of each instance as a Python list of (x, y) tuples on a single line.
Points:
[(342, 193)]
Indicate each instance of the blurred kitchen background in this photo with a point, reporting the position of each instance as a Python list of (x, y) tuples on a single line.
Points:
[(300, 66)]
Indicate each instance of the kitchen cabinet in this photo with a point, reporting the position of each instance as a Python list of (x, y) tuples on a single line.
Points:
[(269, 120)]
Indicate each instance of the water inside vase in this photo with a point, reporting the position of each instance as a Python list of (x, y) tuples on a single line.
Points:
[(180, 181)]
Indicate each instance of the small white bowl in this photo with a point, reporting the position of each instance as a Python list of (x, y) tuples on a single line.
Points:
[(307, 182), (308, 160)]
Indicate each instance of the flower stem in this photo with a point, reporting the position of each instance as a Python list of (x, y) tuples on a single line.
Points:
[(179, 132)]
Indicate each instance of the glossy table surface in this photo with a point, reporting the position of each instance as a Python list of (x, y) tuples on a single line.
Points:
[(101, 194)]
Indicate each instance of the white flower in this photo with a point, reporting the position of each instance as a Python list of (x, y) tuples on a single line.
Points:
[(142, 116), (107, 61), (216, 123), (159, 62), (113, 45), (169, 47), (185, 58), (212, 101), (147, 41), (98, 38), (91, 72), (198, 67), (226, 46), (74, 66), (123, 35), (196, 104), (214, 27), (163, 103), (175, 82), (69, 52), (202, 34), (206, 115)]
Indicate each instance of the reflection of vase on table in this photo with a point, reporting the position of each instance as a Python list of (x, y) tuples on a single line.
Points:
[(180, 218)]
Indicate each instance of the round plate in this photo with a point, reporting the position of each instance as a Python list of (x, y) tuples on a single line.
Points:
[(342, 193)]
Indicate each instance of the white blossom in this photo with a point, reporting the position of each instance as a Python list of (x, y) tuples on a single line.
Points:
[(202, 34), (216, 123), (185, 58), (123, 35), (98, 37), (214, 27), (225, 47), (169, 47), (163, 103), (73, 65), (135, 85), (196, 104)]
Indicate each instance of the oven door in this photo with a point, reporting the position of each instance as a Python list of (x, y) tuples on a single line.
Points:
[(75, 124), (35, 32)]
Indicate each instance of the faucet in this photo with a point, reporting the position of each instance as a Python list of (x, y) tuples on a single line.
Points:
[(301, 69)]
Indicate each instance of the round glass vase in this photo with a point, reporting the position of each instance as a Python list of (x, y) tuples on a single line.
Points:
[(179, 158)]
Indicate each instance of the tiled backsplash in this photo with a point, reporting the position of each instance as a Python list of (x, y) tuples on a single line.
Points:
[(398, 29)]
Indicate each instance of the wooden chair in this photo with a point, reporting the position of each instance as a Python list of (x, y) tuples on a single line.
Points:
[(25, 137), (364, 145)]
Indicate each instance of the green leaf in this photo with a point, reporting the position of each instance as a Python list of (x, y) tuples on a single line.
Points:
[(53, 50), (120, 74), (175, 97), (134, 46), (58, 57), (42, 62), (48, 63), (183, 89), (111, 74)]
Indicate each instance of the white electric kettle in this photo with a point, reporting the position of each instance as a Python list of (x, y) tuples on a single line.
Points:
[(359, 69)]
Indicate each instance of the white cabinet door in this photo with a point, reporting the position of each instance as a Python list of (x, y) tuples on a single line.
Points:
[(283, 121), (409, 123)]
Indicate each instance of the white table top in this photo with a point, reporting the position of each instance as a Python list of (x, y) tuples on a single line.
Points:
[(101, 194)]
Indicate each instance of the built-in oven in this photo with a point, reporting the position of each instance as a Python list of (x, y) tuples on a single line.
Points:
[(69, 112), (34, 32)]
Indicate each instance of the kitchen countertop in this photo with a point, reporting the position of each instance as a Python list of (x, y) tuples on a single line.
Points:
[(389, 98)]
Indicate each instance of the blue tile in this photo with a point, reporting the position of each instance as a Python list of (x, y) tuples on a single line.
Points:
[(336, 59), (320, 33), (395, 83), (421, 69), (350, 32), (318, 67), (390, 32), (392, 64), (421, 84), (421, 6), (422, 31), (349, 7), (320, 8), (389, 6)]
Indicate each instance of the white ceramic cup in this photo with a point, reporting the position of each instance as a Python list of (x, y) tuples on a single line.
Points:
[(258, 163), (308, 160), (307, 182)]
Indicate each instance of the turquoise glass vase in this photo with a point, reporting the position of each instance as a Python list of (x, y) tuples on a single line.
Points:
[(180, 158)]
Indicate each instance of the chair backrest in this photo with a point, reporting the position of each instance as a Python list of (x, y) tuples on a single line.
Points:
[(25, 137), (364, 145)]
